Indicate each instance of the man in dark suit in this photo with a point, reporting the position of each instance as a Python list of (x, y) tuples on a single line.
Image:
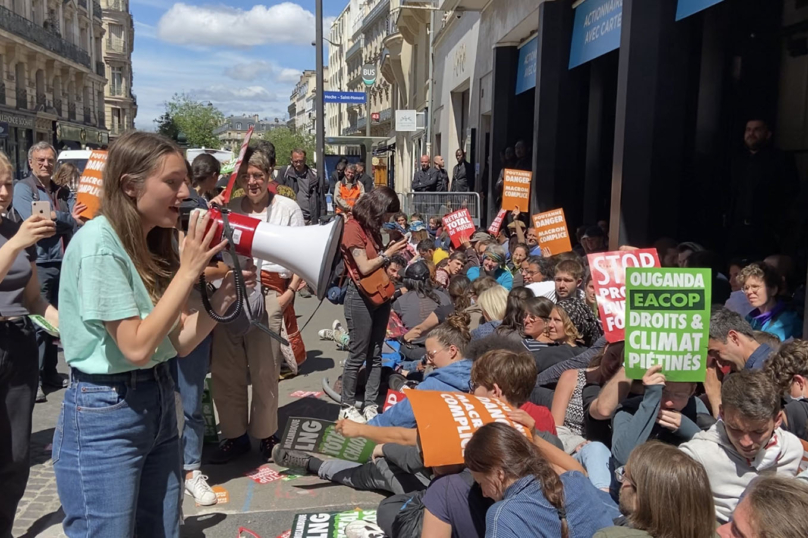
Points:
[(463, 174), (365, 179)]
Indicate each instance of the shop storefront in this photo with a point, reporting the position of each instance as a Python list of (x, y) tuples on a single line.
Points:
[(74, 136), (16, 136)]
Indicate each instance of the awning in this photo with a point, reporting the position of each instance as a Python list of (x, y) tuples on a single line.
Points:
[(596, 30)]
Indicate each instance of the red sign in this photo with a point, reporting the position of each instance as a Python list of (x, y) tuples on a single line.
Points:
[(459, 225), (393, 397), (375, 117), (609, 277), (244, 145), (497, 224), (263, 475)]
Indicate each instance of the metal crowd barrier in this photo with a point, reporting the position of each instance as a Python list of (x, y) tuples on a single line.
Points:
[(438, 204)]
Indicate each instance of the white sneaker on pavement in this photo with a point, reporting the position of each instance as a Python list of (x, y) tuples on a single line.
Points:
[(336, 326), (198, 488), (351, 413), (364, 529), (326, 334), (370, 412)]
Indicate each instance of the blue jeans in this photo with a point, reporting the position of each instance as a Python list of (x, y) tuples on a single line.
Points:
[(116, 455), (189, 377), (595, 457)]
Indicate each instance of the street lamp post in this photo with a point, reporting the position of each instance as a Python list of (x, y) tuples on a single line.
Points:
[(319, 102)]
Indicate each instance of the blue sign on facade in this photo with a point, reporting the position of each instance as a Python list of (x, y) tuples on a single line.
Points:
[(596, 30), (345, 97), (3, 129), (687, 8), (526, 72)]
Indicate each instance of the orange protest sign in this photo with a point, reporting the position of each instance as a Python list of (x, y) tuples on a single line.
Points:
[(516, 189), (91, 184), (551, 230), (447, 420)]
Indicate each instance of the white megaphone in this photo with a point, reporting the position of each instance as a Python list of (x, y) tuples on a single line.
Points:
[(308, 251)]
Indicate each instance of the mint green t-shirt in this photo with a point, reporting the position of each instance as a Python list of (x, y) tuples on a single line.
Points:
[(99, 283)]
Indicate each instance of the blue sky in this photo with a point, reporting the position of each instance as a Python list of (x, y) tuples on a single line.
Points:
[(242, 56)]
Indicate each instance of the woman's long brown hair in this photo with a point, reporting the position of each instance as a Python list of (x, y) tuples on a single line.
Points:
[(498, 446), (371, 209), (133, 157)]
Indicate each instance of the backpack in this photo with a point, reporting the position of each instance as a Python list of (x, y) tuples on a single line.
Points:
[(339, 286)]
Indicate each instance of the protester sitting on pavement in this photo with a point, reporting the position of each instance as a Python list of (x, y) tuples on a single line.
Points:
[(561, 336), (737, 301), (425, 250), (367, 322), (772, 506), (667, 411), (515, 474), (568, 279), (254, 352), (421, 298), (123, 315), (684, 250), (493, 265), (537, 274), (732, 342), (401, 219), (762, 285), (512, 321), (748, 440), (493, 303), (519, 254), (590, 297), (19, 297), (594, 240), (788, 367), (453, 267), (663, 494), (435, 227)]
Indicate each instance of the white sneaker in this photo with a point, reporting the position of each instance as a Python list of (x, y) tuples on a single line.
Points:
[(198, 488), (326, 334), (336, 326), (370, 412), (351, 413), (364, 529)]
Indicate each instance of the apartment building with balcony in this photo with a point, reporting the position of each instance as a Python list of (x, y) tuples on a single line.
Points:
[(302, 110), (51, 89), (120, 101), (232, 132), (339, 42)]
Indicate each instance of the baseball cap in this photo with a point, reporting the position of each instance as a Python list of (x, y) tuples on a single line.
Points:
[(417, 271), (481, 236)]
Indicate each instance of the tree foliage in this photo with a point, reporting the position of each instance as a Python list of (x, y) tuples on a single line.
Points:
[(167, 127), (196, 120), (285, 140)]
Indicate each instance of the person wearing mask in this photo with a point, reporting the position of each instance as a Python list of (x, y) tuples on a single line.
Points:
[(303, 180), (205, 172), (425, 179), (514, 473), (463, 173), (337, 175), (347, 191), (747, 442), (568, 279), (732, 342), (19, 372), (493, 265), (364, 254), (789, 370), (762, 286), (441, 174), (658, 485), (771, 506), (236, 354), (124, 287), (364, 178), (39, 186)]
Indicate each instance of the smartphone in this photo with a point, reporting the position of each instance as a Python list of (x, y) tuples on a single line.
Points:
[(43, 209)]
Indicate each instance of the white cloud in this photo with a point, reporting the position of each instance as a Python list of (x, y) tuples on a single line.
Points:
[(145, 30), (225, 26), (288, 75), (227, 94), (262, 70)]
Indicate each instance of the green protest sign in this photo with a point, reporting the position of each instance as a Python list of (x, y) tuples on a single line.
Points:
[(328, 524), (320, 436), (667, 322)]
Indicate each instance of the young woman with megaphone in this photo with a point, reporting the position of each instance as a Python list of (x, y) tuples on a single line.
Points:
[(123, 314)]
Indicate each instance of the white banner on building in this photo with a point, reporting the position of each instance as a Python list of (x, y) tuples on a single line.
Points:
[(406, 121)]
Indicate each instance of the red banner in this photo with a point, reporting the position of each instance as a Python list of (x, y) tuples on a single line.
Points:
[(459, 225), (609, 277), (393, 397), (497, 224), (244, 145)]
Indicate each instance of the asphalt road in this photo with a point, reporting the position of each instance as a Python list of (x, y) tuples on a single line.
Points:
[(266, 509)]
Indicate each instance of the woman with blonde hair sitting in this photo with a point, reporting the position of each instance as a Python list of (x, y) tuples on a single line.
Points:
[(493, 303)]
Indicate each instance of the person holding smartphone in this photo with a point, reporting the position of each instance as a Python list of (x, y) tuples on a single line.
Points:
[(38, 187), (19, 373), (124, 314)]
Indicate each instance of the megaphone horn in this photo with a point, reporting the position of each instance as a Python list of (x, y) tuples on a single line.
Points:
[(308, 251)]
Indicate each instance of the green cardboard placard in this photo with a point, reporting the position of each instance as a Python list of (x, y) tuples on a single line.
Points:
[(321, 437), (667, 322), (328, 524)]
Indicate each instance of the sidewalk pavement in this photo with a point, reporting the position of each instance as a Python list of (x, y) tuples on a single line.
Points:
[(266, 509)]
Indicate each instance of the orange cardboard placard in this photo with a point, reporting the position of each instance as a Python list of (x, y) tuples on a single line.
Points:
[(551, 230), (91, 184), (447, 420), (516, 189)]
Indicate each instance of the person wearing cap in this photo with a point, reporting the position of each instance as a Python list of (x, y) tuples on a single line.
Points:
[(474, 248), (421, 299), (493, 265), (594, 240)]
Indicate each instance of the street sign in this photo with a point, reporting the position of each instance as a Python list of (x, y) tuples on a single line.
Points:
[(374, 117), (345, 97), (3, 129), (406, 121), (369, 74)]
